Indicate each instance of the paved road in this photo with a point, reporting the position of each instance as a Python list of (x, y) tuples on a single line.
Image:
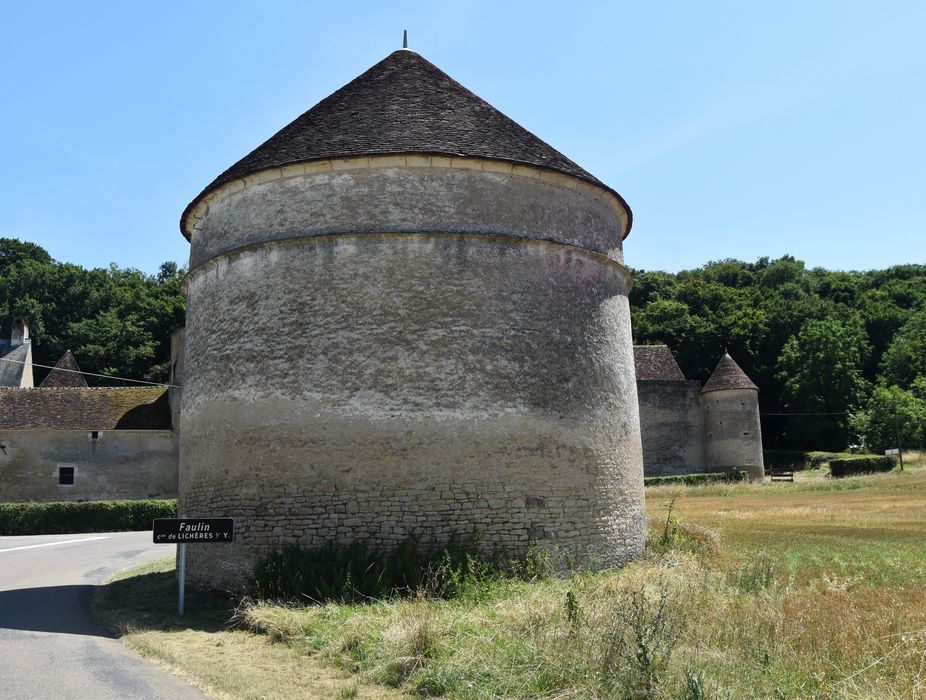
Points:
[(48, 646)]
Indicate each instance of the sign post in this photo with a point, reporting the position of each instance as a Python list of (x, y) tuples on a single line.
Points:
[(181, 578), (182, 530)]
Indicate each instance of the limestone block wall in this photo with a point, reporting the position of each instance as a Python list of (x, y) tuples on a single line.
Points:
[(439, 367), (733, 436), (671, 427), (117, 464)]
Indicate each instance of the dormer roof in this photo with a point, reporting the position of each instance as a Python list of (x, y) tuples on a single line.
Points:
[(402, 105), (728, 375), (65, 374)]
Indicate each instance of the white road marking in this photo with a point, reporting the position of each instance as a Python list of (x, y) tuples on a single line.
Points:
[(52, 544)]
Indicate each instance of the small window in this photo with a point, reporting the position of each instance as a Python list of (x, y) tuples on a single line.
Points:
[(95, 435), (66, 476)]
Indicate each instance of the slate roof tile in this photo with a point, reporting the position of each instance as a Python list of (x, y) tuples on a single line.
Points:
[(105, 408), (656, 363), (728, 375), (65, 373)]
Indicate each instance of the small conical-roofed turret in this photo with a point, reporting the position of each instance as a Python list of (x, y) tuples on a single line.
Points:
[(728, 375), (733, 433)]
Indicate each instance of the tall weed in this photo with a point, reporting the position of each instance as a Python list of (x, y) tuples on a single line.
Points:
[(354, 574)]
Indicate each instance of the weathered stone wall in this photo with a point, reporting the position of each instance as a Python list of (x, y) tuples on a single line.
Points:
[(417, 381), (408, 194), (175, 392), (733, 436), (118, 464), (671, 427)]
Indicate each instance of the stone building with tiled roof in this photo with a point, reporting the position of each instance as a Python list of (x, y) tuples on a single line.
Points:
[(64, 441), (686, 428)]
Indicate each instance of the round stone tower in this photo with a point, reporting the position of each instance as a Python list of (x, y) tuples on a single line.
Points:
[(733, 434), (408, 317)]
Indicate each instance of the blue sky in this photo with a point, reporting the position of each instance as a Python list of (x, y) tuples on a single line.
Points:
[(733, 129)]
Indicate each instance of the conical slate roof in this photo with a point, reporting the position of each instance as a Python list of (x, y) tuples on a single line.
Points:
[(65, 374), (403, 104), (728, 375)]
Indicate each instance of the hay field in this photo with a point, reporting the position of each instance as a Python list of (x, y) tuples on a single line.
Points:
[(815, 589)]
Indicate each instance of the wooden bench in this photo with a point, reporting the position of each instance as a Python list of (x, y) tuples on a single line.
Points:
[(781, 474)]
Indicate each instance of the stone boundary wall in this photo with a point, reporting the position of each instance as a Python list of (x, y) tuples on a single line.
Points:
[(671, 427), (117, 464)]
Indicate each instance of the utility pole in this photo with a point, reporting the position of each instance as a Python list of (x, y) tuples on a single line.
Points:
[(897, 431)]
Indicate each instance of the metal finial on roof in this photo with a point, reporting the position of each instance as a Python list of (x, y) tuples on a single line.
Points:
[(404, 38)]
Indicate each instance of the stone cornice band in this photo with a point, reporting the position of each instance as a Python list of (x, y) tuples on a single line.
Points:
[(320, 238), (198, 209)]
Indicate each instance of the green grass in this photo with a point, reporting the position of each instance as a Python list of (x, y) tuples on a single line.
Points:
[(146, 596), (205, 646)]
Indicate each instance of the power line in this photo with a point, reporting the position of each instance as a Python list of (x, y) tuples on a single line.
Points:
[(832, 413), (91, 374)]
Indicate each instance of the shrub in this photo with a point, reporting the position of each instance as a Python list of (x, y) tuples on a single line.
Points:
[(353, 574), (754, 575), (815, 459), (674, 536), (91, 516), (638, 641), (695, 479), (786, 459), (864, 464)]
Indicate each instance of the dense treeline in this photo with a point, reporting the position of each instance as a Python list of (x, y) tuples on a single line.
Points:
[(847, 347), (848, 344), (116, 321)]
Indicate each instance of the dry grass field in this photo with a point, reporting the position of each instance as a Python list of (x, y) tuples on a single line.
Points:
[(815, 589)]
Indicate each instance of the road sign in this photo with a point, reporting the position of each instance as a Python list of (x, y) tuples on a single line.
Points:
[(193, 530)]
